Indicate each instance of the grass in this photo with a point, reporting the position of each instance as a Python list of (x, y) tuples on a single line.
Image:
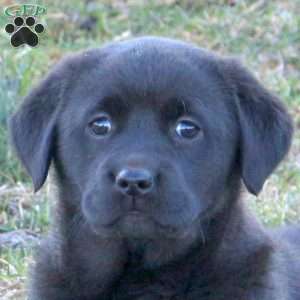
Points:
[(263, 34)]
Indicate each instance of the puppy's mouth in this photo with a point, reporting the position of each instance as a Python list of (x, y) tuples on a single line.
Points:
[(136, 223), (131, 212), (133, 215), (141, 217)]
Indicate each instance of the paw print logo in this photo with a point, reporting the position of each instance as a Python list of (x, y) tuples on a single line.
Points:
[(24, 31)]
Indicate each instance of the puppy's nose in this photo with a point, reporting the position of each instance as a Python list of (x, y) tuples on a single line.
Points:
[(134, 182)]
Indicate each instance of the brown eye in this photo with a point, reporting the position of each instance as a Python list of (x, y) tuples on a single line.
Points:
[(101, 126), (187, 129)]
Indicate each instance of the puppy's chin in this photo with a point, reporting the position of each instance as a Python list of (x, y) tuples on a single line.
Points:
[(136, 226)]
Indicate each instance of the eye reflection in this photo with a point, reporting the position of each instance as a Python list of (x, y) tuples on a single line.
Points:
[(101, 126), (187, 129)]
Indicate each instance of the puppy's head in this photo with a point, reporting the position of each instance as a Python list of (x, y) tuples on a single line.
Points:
[(148, 135)]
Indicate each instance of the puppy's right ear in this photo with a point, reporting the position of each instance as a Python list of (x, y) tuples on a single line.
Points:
[(32, 127), (265, 126)]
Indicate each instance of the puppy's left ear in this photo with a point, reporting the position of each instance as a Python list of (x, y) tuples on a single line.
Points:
[(265, 126), (32, 127), (32, 130)]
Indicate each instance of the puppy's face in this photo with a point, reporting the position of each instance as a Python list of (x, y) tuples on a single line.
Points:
[(150, 145), (150, 133)]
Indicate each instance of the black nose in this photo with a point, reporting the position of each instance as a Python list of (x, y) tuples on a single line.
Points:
[(134, 181)]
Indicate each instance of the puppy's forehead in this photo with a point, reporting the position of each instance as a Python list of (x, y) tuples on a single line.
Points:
[(150, 70)]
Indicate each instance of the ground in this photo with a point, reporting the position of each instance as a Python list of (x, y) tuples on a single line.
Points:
[(263, 34)]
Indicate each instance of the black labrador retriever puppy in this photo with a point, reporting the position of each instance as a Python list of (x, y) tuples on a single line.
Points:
[(150, 141)]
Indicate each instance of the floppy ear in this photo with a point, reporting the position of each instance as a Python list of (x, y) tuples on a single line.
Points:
[(265, 126), (32, 127)]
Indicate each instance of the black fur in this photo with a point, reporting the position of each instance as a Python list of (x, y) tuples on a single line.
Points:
[(191, 236)]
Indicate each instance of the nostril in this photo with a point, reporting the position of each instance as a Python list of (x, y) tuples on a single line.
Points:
[(144, 184), (123, 183)]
